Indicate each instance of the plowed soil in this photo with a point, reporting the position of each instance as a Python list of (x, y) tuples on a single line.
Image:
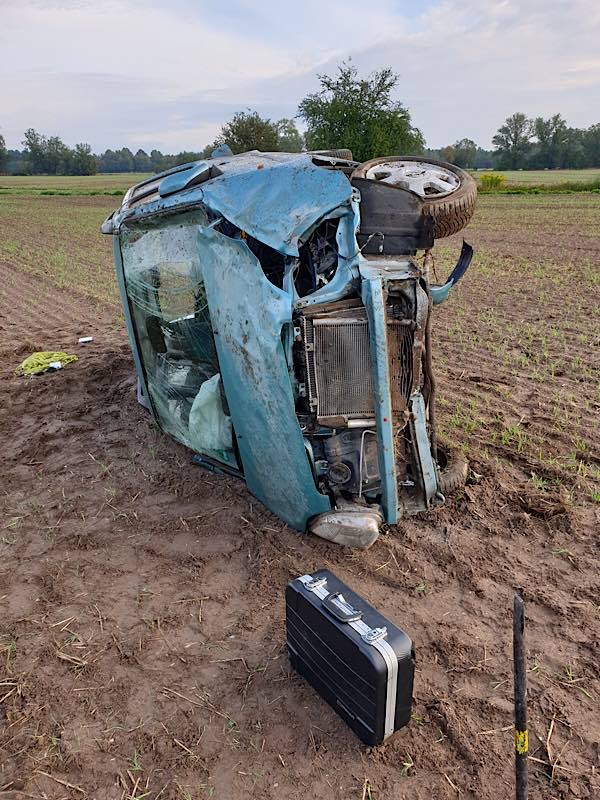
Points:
[(141, 599)]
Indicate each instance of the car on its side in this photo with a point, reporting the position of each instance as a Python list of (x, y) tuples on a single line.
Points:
[(281, 326)]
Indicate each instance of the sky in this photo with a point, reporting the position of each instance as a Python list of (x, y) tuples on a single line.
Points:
[(167, 75)]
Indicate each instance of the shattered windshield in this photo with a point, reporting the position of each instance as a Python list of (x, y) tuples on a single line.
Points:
[(168, 303)]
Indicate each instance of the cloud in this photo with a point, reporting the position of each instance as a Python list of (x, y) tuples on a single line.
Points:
[(151, 74), (475, 62)]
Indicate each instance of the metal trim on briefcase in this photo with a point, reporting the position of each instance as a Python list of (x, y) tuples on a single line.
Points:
[(344, 612)]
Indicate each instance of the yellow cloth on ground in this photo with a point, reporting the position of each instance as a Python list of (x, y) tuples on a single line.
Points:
[(39, 362)]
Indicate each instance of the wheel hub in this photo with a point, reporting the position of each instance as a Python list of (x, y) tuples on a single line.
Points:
[(426, 180)]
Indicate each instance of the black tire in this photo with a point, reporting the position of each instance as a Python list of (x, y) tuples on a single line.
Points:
[(451, 213)]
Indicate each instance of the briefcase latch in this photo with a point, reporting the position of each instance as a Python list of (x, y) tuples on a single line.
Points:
[(374, 635), (316, 583)]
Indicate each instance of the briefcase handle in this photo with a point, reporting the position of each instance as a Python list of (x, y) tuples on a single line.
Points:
[(340, 608)]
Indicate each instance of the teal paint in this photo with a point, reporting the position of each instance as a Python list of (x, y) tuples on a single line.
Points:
[(181, 180), (248, 314), (440, 293), (374, 300), (419, 427)]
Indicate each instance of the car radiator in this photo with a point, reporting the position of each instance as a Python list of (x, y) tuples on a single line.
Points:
[(339, 365)]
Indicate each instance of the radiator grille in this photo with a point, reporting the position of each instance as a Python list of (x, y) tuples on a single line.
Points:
[(338, 358), (400, 352)]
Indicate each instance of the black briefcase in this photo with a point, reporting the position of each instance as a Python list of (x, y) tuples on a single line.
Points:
[(359, 662)]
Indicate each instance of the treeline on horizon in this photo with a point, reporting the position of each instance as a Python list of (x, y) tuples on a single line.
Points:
[(42, 155), (348, 111)]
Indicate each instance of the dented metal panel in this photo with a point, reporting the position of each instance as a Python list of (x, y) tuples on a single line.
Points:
[(279, 203), (374, 300), (423, 448), (247, 314)]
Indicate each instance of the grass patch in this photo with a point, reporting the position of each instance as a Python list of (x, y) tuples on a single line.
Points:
[(543, 177), (135, 765), (489, 186)]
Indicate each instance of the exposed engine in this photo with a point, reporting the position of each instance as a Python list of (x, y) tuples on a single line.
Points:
[(333, 368)]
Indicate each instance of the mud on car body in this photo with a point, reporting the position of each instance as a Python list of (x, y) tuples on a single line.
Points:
[(280, 326)]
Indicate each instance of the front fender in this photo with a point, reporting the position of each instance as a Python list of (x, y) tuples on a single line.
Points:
[(440, 293), (247, 315)]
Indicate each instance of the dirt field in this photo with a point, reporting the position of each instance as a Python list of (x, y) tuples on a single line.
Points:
[(141, 599)]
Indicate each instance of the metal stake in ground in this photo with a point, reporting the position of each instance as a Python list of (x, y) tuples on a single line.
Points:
[(520, 683)]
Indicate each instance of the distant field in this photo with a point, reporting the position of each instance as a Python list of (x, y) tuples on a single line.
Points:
[(117, 183), (71, 184), (541, 177)]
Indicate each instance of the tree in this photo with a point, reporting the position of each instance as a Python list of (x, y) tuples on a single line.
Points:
[(156, 161), (573, 153), (290, 138), (124, 160), (359, 113), (106, 161), (83, 161), (512, 142), (57, 159), (247, 130), (591, 146), (34, 153), (446, 153), (142, 162), (49, 156), (484, 159), (116, 161), (465, 153), (3, 154), (15, 163), (185, 157), (552, 137)]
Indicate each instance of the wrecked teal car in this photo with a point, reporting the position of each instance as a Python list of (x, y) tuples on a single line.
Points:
[(280, 326)]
